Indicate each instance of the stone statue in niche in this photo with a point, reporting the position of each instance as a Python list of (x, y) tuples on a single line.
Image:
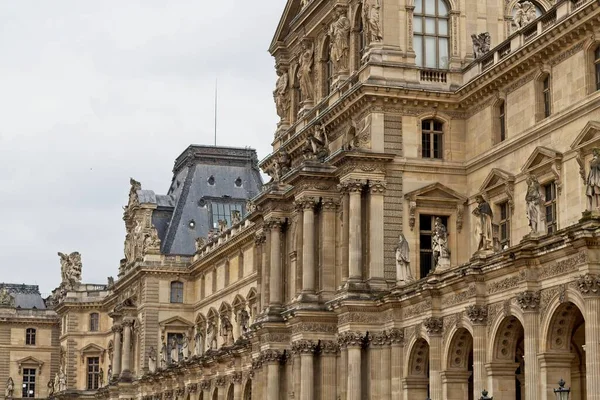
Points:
[(243, 318), (533, 198), (593, 182), (151, 240), (372, 21), (403, 274), (484, 236), (109, 373), (163, 353), (57, 383), (305, 64), (481, 43), (316, 145), (280, 94), (339, 33), (152, 359), (236, 217), (226, 330), (211, 332), (185, 347), (525, 13), (174, 350), (70, 269), (101, 378), (284, 162), (10, 388), (439, 245), (199, 341)]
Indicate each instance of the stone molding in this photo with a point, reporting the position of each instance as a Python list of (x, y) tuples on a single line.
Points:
[(529, 300), (330, 203), (351, 339), (304, 347), (328, 347), (588, 285), (192, 388), (478, 315), (274, 223), (351, 186), (314, 327), (434, 326)]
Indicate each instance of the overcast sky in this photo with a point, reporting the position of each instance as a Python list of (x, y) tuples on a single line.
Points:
[(95, 92)]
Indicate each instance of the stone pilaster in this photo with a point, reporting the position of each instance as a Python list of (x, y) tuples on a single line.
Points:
[(589, 286), (529, 301), (354, 189), (353, 342), (259, 265), (329, 351), (478, 316), (308, 243), (435, 327), (126, 353), (272, 359), (396, 337), (380, 354), (236, 378), (275, 273), (306, 349), (117, 331), (328, 248), (376, 234)]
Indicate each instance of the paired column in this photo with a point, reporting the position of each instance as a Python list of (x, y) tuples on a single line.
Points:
[(329, 351), (328, 246), (126, 363), (396, 337), (478, 316), (306, 349), (380, 356), (353, 342), (376, 263), (529, 302), (308, 244), (259, 265), (272, 359), (275, 276), (589, 286), (237, 386), (117, 330), (434, 327), (354, 188)]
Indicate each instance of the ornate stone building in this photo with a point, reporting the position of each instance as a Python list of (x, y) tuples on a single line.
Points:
[(431, 228)]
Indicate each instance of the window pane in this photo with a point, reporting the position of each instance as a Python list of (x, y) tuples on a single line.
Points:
[(418, 6), (437, 126), (430, 53), (442, 9), (430, 7), (418, 47), (426, 145), (430, 25), (437, 146), (443, 27), (418, 24), (444, 61)]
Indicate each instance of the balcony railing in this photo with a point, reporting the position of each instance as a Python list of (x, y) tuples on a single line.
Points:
[(433, 76)]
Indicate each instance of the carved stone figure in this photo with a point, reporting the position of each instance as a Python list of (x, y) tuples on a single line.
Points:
[(109, 373), (236, 217), (316, 145), (101, 378), (152, 359), (226, 330), (10, 388), (372, 21), (174, 350), (70, 269), (199, 341), (250, 207), (110, 282), (439, 245), (280, 94), (62, 380), (185, 346), (57, 383), (305, 70), (151, 240), (243, 319), (403, 274), (483, 225), (222, 225), (533, 198), (50, 388), (284, 162), (163, 354), (481, 43), (211, 332), (525, 13), (6, 300), (339, 33), (593, 181), (200, 243), (212, 235)]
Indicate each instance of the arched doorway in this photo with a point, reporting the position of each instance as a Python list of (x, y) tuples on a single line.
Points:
[(507, 369), (248, 390), (458, 375), (564, 355), (416, 382)]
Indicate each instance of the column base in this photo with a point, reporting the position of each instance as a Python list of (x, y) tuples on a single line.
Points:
[(355, 284), (379, 284), (308, 297), (126, 376)]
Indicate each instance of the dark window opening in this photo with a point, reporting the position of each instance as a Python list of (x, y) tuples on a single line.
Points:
[(550, 207), (30, 337), (431, 139), (426, 223), (546, 92), (28, 382), (502, 120), (504, 226), (94, 322), (222, 212), (176, 292), (597, 67), (93, 373)]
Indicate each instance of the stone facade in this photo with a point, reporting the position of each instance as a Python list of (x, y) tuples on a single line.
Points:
[(487, 169)]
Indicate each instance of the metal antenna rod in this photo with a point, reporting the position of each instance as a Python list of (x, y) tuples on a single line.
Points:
[(216, 86)]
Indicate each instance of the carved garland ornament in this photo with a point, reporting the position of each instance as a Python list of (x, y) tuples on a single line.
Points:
[(529, 300), (477, 314), (434, 325)]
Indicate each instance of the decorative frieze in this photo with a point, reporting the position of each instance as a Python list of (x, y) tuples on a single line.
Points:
[(434, 325), (192, 388), (477, 314), (563, 56), (351, 339), (417, 309), (589, 285), (506, 283), (460, 297), (560, 267), (314, 327), (360, 317), (529, 300)]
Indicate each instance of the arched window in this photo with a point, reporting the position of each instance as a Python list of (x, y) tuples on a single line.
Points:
[(30, 336), (499, 123), (176, 292), (94, 322), (432, 138), (543, 90), (431, 34), (597, 67)]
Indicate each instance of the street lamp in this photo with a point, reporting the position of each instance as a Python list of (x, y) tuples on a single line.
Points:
[(561, 393), (484, 395)]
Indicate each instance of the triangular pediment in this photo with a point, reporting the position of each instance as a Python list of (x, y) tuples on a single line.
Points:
[(176, 321), (540, 156), (436, 191), (291, 10), (590, 134), (30, 360), (495, 178), (92, 348)]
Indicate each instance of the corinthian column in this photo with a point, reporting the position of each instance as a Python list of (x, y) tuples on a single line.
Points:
[(329, 351), (353, 341), (306, 350), (589, 286), (308, 244), (478, 316), (328, 248), (435, 327), (529, 302), (126, 357), (272, 358), (117, 329), (376, 270), (354, 188), (275, 283)]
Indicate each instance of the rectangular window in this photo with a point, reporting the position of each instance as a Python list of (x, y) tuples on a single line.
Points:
[(432, 139), (28, 382), (547, 97), (93, 373), (502, 121), (550, 207), (30, 336), (221, 211), (597, 67), (94, 322), (176, 292), (504, 226), (426, 223)]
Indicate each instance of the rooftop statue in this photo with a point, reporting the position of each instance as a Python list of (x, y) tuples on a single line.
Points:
[(70, 268)]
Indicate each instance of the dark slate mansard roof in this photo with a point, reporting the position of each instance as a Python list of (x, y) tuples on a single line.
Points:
[(182, 204), (25, 296)]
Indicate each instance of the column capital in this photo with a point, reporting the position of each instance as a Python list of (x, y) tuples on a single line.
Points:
[(192, 388), (116, 329), (128, 323), (529, 300), (377, 187), (259, 239), (379, 339), (304, 346), (477, 314), (236, 378), (306, 203), (351, 339), (274, 223), (271, 356), (588, 285), (434, 326), (329, 347), (330, 203), (396, 336), (352, 185)]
